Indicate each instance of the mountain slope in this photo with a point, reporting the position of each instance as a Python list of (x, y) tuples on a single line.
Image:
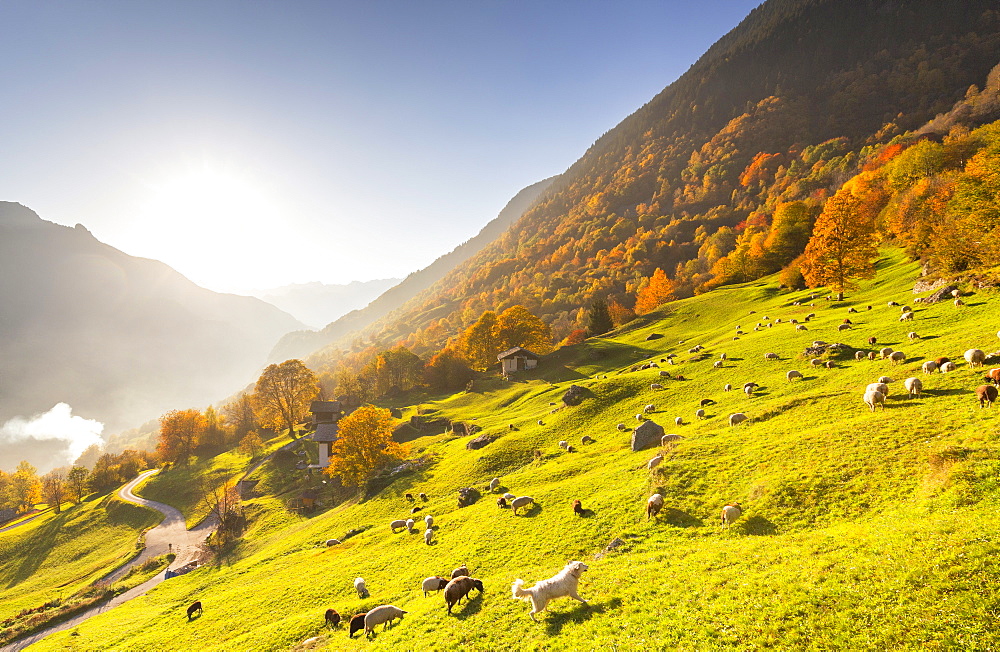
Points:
[(121, 339), (302, 343), (320, 303), (780, 110)]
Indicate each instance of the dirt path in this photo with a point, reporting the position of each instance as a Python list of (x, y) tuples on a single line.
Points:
[(170, 535)]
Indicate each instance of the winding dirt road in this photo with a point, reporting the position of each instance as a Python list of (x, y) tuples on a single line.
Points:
[(171, 535)]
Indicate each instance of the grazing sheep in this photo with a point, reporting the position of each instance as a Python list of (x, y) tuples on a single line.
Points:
[(332, 618), (859, 355), (730, 513), (816, 362), (929, 367), (897, 357), (948, 367), (875, 398), (940, 361), (415, 510), (397, 524), (959, 303), (570, 449), (383, 614), (423, 497), (409, 525), (587, 439), (872, 355), (737, 418), (986, 395), (668, 439), (502, 502), (649, 409), (751, 385), (459, 588), (429, 520), (792, 375), (653, 506), (872, 340), (852, 310), (461, 571), (801, 327), (878, 387), (409, 497), (748, 390), (885, 352), (509, 496), (912, 336), (913, 386), (828, 364), (975, 357), (357, 623), (434, 583), (622, 427), (332, 542), (770, 356), (778, 320), (428, 536), (494, 483), (722, 356), (956, 294), (706, 401), (640, 417), (699, 413), (521, 501), (717, 364), (727, 387), (843, 327), (992, 376), (654, 462), (655, 386), (906, 316), (906, 309), (664, 374), (883, 379), (540, 422), (359, 586), (893, 304), (195, 606), (679, 421), (564, 444)]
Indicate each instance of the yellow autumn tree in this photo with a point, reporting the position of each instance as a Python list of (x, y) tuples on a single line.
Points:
[(658, 290), (364, 446), (283, 394)]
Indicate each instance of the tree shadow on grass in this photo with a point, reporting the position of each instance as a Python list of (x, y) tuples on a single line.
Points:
[(471, 607), (577, 614)]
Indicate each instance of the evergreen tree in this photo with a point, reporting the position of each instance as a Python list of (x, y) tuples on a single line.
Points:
[(600, 318)]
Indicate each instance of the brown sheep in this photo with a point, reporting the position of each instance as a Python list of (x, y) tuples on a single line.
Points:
[(577, 508), (332, 618), (195, 606), (459, 588), (872, 340), (357, 623), (993, 376), (940, 361), (986, 395), (461, 571)]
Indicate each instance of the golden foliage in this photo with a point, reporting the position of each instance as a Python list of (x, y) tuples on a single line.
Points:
[(364, 446)]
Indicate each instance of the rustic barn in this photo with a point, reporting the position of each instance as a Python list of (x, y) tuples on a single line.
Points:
[(517, 359)]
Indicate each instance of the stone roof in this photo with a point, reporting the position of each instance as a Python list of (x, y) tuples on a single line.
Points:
[(326, 432), (517, 352), (324, 406)]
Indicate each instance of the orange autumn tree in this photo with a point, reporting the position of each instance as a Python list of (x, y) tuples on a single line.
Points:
[(364, 446), (180, 430), (658, 290)]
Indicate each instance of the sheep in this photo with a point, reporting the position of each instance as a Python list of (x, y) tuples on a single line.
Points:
[(816, 362), (859, 355), (332, 618), (502, 502), (357, 623), (748, 390), (409, 497), (705, 401), (852, 310), (875, 398), (992, 376), (382, 614), (462, 570), (959, 303), (654, 462), (801, 327), (699, 413), (913, 386), (717, 364), (947, 367), (956, 293), (668, 439), (727, 387), (359, 586), (679, 421), (429, 520), (811, 315), (653, 506), (906, 309), (397, 525), (843, 327), (664, 374), (878, 387), (416, 509), (722, 356), (649, 408), (587, 439), (778, 320), (986, 395), (459, 588), (940, 361), (622, 427), (730, 513), (751, 385), (540, 422), (428, 536), (737, 418), (423, 497), (872, 355), (819, 343), (494, 483), (885, 352), (409, 525), (521, 501), (434, 583), (872, 340), (332, 542), (564, 444), (792, 375), (906, 316), (893, 304), (912, 336), (929, 367), (570, 449), (883, 379), (640, 417), (897, 357), (509, 496), (975, 357), (656, 386), (828, 364), (578, 507), (770, 356)]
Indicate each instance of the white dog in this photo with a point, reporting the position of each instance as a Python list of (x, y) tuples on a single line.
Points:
[(562, 585)]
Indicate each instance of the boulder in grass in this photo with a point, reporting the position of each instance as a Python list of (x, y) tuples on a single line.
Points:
[(480, 442), (645, 435), (574, 395)]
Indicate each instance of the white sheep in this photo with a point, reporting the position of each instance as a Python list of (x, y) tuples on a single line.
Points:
[(792, 375), (494, 483), (844, 327), (509, 496), (897, 357), (397, 525), (975, 357), (717, 364), (428, 536), (359, 586), (913, 386), (883, 379), (816, 362), (622, 427), (727, 387), (801, 327), (679, 421), (564, 444), (433, 583), (653, 506), (520, 501), (655, 386), (640, 417), (730, 513), (649, 408), (748, 390), (912, 335), (948, 367), (737, 418), (722, 356), (874, 398), (429, 520), (666, 439), (906, 309), (699, 413), (885, 352), (770, 356), (665, 374), (384, 613), (929, 367), (409, 524), (892, 304), (878, 387), (654, 462), (859, 355)]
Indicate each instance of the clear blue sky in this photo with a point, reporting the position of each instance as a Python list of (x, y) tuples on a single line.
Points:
[(254, 144)]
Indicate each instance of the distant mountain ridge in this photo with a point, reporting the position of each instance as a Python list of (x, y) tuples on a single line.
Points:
[(120, 339), (317, 304), (302, 343)]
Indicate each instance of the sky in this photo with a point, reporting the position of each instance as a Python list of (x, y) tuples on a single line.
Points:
[(256, 144)]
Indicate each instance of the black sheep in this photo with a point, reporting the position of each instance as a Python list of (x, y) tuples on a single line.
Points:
[(357, 624)]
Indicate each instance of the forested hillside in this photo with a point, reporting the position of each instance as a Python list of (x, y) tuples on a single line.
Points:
[(742, 151)]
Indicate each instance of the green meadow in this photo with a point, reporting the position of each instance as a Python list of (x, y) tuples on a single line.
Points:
[(860, 530)]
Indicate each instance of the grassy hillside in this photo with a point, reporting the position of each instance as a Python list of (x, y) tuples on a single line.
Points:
[(860, 529), (58, 554)]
